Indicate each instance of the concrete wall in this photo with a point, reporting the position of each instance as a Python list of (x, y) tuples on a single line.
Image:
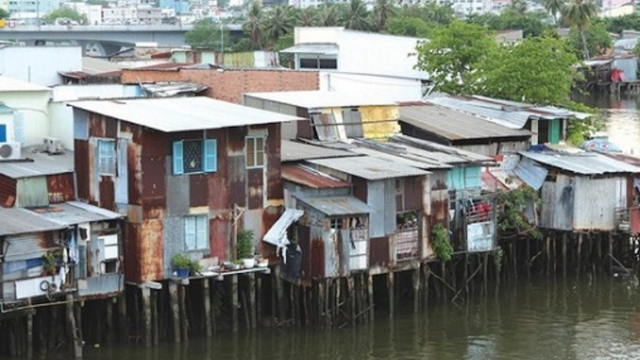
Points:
[(403, 89), (39, 64), (34, 107)]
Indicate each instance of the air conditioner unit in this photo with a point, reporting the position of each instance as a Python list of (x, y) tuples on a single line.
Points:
[(53, 146), (10, 151)]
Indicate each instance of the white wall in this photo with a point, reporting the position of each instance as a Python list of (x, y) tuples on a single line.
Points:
[(61, 115), (34, 105), (317, 34), (39, 64), (397, 89)]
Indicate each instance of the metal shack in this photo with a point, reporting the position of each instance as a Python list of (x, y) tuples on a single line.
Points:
[(548, 124), (580, 191), (330, 115), (460, 130), (187, 172)]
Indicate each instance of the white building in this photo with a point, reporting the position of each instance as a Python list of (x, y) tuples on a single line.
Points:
[(31, 7), (468, 7), (28, 108), (39, 64), (92, 12), (359, 61)]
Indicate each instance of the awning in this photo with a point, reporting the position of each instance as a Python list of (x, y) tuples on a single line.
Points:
[(277, 235), (532, 174), (338, 205), (318, 49)]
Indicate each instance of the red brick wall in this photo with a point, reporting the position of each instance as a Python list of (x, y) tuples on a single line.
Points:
[(230, 84)]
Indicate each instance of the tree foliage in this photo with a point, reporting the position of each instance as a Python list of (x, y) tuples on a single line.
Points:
[(578, 14), (511, 218), (408, 26), (65, 12), (206, 34), (626, 22), (531, 23), (355, 16), (598, 40), (539, 70), (4, 14), (453, 54), (383, 10)]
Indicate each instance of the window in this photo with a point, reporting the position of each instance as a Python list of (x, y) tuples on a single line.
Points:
[(317, 63), (106, 157), (195, 156), (254, 151), (195, 233)]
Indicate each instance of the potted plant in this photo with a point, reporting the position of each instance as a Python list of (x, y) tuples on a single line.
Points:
[(49, 263), (244, 248), (181, 263)]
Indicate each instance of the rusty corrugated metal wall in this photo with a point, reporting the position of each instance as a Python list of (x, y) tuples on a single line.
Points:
[(60, 188), (7, 191)]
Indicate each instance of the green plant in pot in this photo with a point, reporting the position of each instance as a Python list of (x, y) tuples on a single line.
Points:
[(244, 248), (181, 264), (49, 263)]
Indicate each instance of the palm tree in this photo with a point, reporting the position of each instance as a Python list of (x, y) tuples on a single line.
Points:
[(355, 16), (519, 6), (383, 10), (329, 15), (254, 24), (280, 21), (554, 7), (307, 17), (578, 14)]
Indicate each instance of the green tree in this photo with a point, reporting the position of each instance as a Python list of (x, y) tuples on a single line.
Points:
[(431, 12), (598, 40), (408, 26), (65, 12), (383, 10), (519, 6), (284, 42), (539, 70), (453, 54), (279, 21), (206, 34), (4, 14), (253, 25), (329, 15), (307, 17), (554, 7), (578, 14), (355, 16), (626, 22)]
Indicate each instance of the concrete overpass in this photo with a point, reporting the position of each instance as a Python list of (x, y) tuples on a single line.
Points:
[(122, 35)]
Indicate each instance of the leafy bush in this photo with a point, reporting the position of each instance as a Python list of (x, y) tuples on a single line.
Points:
[(244, 246), (181, 261), (440, 243)]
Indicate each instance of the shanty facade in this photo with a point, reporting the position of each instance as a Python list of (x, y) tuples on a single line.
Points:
[(185, 171), (330, 115)]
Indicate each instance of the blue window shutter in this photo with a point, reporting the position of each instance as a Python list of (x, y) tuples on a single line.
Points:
[(3, 133), (210, 160), (178, 164)]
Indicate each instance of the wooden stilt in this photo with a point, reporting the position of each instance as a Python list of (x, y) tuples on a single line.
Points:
[(277, 281), (206, 302), (327, 301), (599, 250), (175, 310), (252, 300), (564, 253), (155, 337), (528, 257), (370, 303), (109, 319), (234, 302), (579, 259), (416, 289), (610, 245), (391, 290), (182, 304), (352, 299), (292, 305), (305, 306), (74, 326), (146, 315), (259, 300), (321, 303), (426, 274), (123, 328), (29, 334)]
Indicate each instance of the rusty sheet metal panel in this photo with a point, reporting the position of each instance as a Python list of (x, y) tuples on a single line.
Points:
[(317, 253), (107, 193), (97, 125), (134, 171), (7, 191), (111, 128), (32, 192), (218, 182), (634, 220), (219, 235), (304, 128), (558, 203), (154, 200), (360, 188), (274, 181), (150, 257), (304, 240), (595, 202), (413, 187), (237, 181), (255, 188), (197, 189), (60, 188), (30, 246), (132, 268), (269, 217), (379, 121), (81, 159), (381, 195), (379, 252), (332, 252)]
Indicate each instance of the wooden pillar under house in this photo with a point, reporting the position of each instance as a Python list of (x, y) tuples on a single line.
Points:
[(564, 253), (426, 274), (277, 283), (351, 294), (182, 305), (206, 302), (74, 327), (391, 292), (234, 302), (175, 311), (579, 257), (29, 339), (146, 315), (415, 277), (258, 299)]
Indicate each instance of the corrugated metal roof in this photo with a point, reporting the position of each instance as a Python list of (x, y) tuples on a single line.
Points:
[(443, 153), (629, 159), (8, 84), (310, 177), (338, 205), (166, 89), (92, 66), (369, 168), (403, 157), (529, 172), (183, 113), (296, 151), (4, 109), (583, 163), (503, 112), (321, 99), (454, 125), (38, 163), (277, 234), (74, 212), (317, 48), (15, 221)]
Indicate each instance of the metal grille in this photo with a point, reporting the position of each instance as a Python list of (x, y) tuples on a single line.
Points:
[(192, 156)]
